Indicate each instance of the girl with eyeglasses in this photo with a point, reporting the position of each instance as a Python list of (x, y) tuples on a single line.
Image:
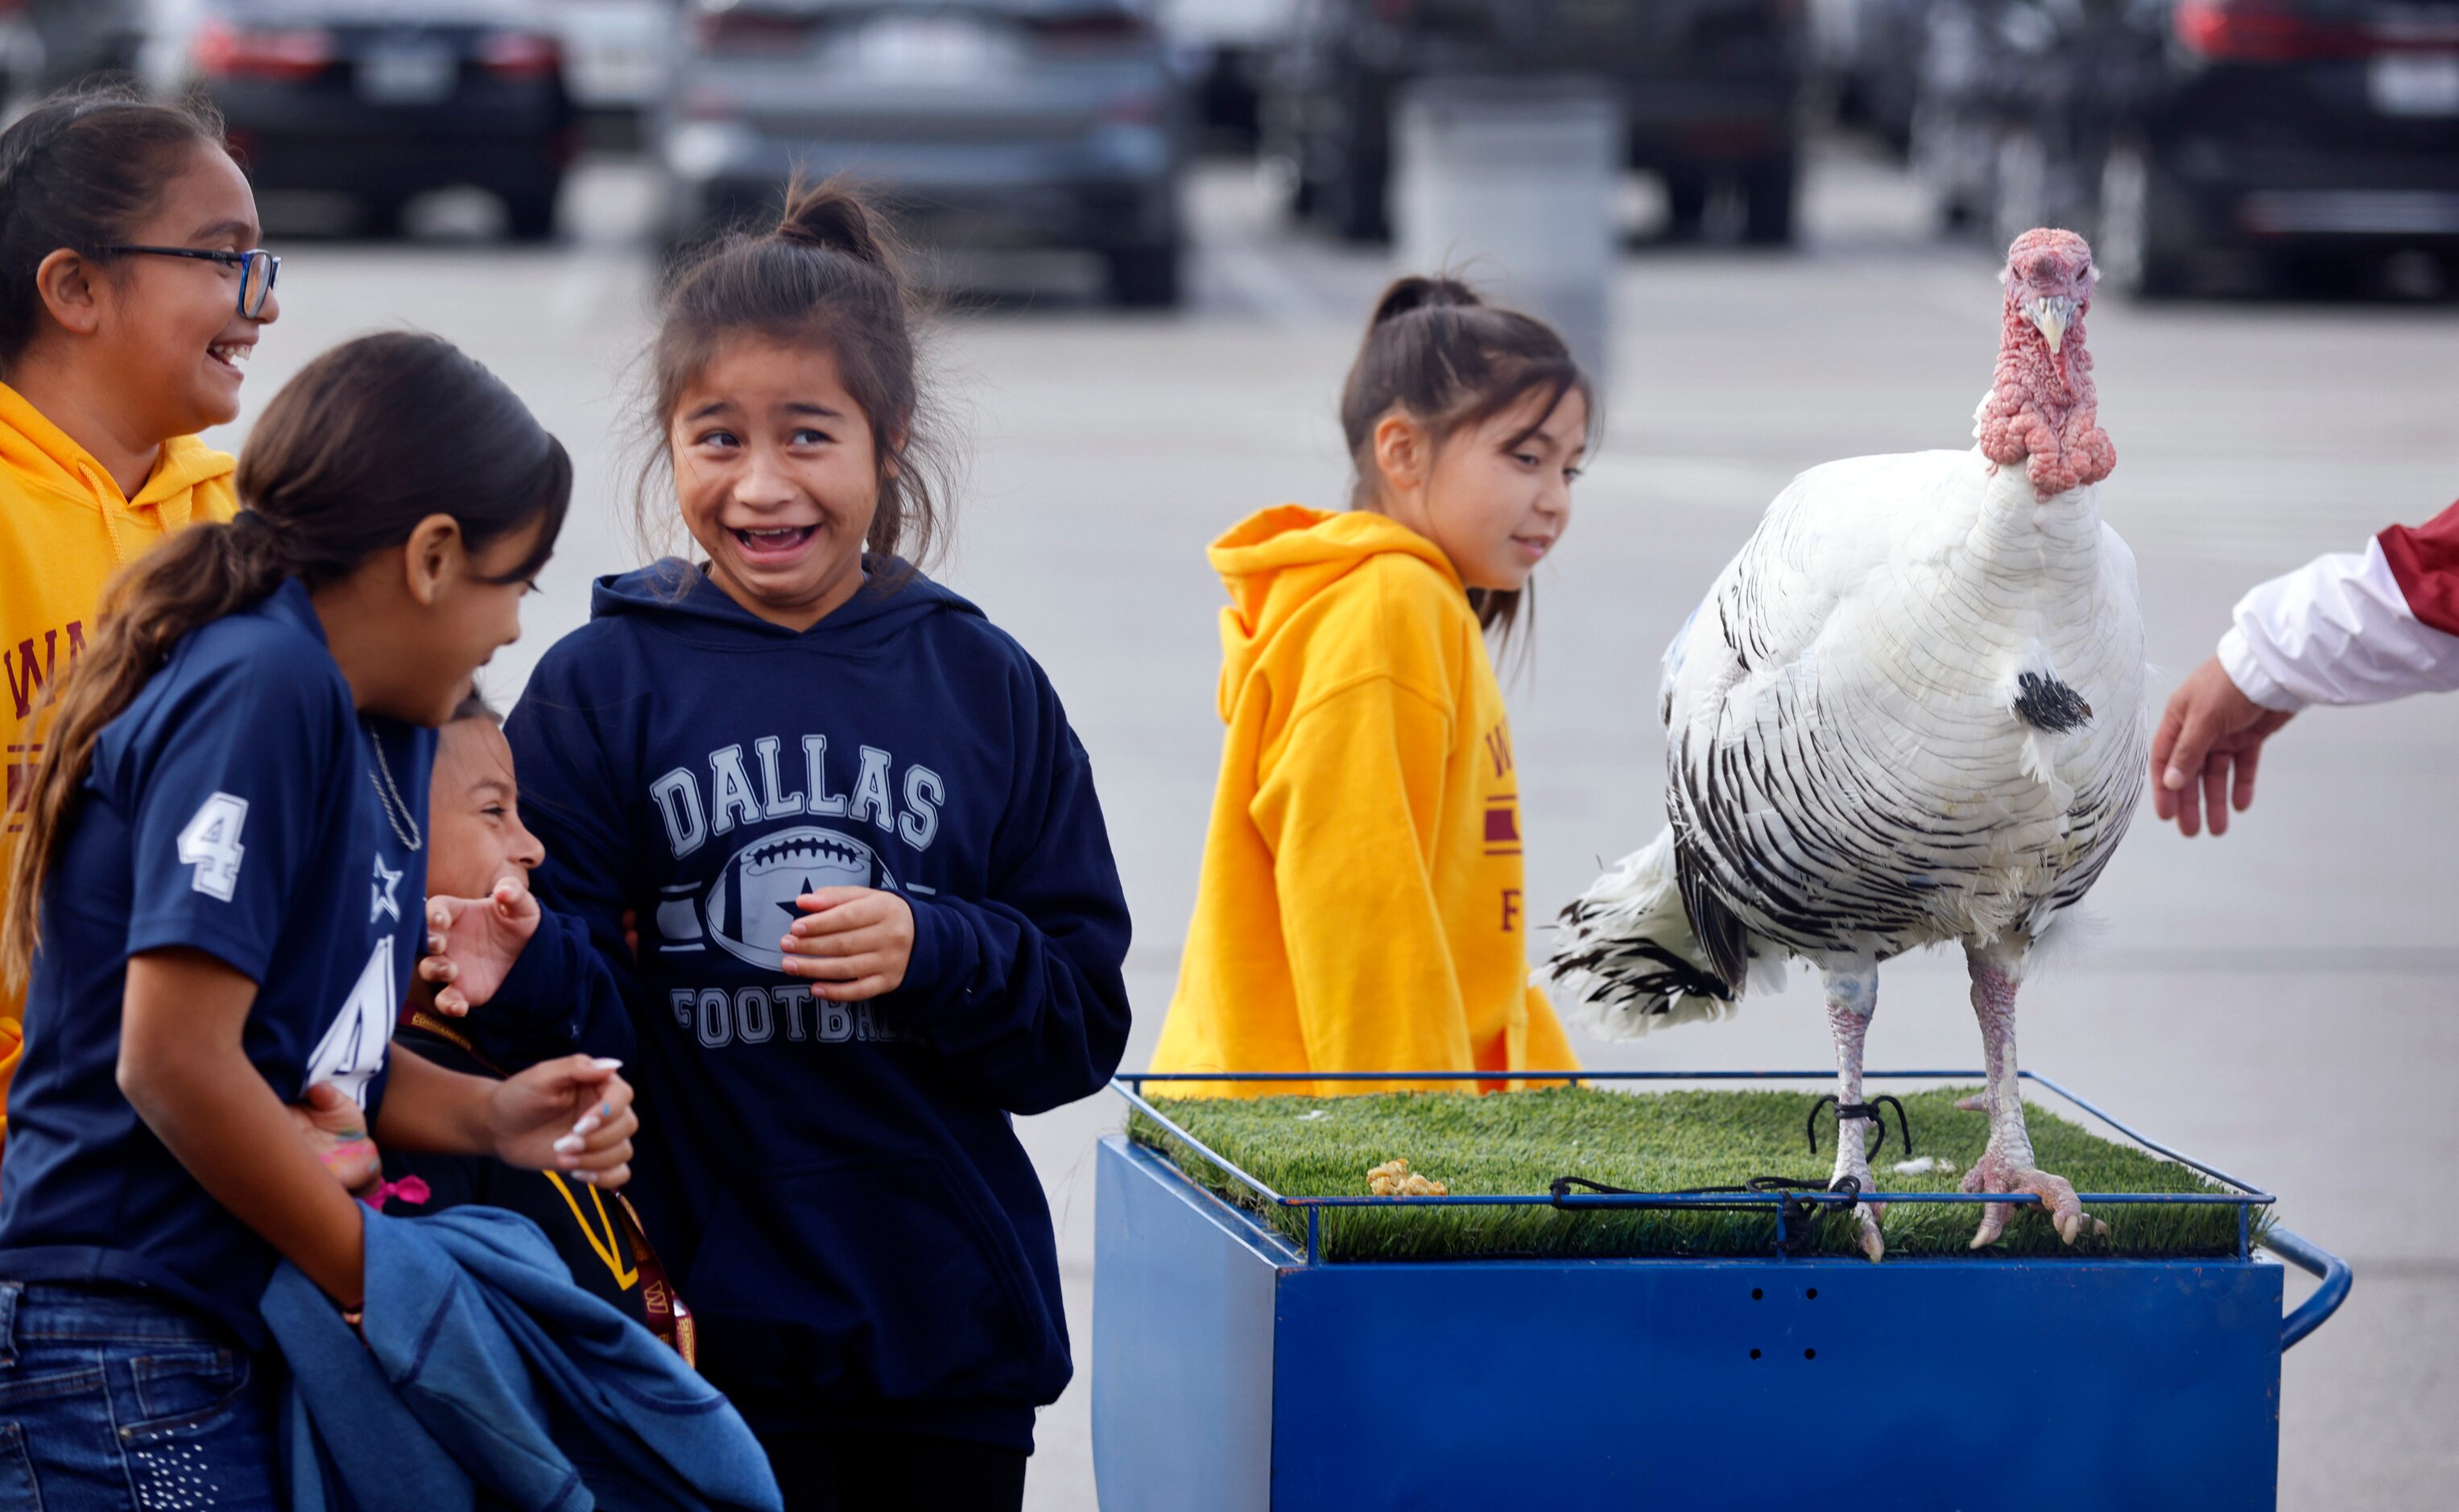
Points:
[(130, 294)]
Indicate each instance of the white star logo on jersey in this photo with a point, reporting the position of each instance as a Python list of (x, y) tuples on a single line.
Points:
[(384, 906)]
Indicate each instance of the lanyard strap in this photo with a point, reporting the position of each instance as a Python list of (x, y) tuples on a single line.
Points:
[(669, 1319)]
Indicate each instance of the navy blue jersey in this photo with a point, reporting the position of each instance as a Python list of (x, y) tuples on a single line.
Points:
[(237, 808)]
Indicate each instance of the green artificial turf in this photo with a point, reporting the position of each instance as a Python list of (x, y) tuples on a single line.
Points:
[(1518, 1142)]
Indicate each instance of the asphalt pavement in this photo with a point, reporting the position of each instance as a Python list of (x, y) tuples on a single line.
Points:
[(2279, 1002)]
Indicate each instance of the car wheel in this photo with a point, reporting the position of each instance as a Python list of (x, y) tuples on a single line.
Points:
[(1686, 203), (530, 217), (1147, 277), (1769, 193), (2143, 250)]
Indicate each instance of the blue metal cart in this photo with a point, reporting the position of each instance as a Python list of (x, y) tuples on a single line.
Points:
[(1234, 1369)]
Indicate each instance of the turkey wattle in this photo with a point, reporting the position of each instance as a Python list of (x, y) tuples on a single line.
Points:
[(1910, 711)]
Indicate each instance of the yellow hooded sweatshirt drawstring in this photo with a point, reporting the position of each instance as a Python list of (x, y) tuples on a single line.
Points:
[(64, 530), (1361, 905)]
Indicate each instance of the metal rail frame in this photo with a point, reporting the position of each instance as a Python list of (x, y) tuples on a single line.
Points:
[(2332, 1272)]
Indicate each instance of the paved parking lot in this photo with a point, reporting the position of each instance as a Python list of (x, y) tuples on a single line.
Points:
[(2279, 1002)]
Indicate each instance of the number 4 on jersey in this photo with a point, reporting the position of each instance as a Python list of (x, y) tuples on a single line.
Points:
[(211, 845)]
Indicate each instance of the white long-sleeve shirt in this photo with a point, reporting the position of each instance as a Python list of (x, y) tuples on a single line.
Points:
[(2354, 628)]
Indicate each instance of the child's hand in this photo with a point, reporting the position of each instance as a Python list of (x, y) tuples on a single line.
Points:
[(472, 944), (337, 1132), (850, 943), (571, 1114)]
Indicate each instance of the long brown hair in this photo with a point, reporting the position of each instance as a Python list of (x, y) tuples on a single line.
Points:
[(1441, 355), (81, 171), (828, 275), (368, 440)]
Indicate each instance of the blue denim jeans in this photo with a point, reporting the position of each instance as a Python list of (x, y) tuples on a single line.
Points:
[(112, 1401)]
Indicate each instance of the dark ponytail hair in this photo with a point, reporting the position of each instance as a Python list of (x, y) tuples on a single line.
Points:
[(368, 440), (82, 171), (827, 275), (1441, 354)]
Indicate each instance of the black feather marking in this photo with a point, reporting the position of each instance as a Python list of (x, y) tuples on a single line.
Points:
[(2046, 704), (1718, 929)]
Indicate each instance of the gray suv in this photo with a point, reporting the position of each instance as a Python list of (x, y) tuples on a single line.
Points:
[(986, 122)]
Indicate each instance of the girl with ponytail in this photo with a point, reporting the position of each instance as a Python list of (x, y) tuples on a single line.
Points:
[(1361, 905), (219, 897), (877, 911), (131, 293)]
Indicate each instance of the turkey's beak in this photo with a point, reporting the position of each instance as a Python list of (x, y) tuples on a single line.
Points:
[(2053, 315)]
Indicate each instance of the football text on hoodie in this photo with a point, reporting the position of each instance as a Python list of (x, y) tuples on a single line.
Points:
[(65, 528), (1361, 905), (836, 1185)]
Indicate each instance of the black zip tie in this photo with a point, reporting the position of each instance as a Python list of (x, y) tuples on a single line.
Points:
[(1860, 1110)]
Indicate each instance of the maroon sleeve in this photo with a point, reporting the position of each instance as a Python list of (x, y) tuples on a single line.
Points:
[(2425, 559)]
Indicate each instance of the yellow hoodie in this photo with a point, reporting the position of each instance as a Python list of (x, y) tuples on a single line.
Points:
[(1360, 907), (64, 530)]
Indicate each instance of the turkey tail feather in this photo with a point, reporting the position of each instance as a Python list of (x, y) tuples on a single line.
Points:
[(1626, 958)]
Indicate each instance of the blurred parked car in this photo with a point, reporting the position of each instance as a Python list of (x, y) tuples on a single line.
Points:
[(2174, 130), (2020, 102), (1711, 90), (615, 52), (1227, 44), (78, 39), (2325, 128), (988, 122), (1869, 52), (382, 101)]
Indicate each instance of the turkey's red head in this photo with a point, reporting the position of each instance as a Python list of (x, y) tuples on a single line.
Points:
[(2049, 280), (2042, 409)]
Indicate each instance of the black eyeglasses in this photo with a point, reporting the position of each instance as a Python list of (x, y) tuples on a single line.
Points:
[(257, 270)]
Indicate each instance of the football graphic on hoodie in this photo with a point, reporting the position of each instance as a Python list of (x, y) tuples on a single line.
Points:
[(753, 900)]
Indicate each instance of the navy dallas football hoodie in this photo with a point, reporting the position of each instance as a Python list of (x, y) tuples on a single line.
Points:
[(836, 1186)]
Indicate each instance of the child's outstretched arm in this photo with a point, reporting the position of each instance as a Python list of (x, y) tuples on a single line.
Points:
[(181, 1068), (572, 1114)]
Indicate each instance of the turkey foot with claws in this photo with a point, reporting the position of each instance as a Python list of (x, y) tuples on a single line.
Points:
[(1994, 1172), (2007, 1165)]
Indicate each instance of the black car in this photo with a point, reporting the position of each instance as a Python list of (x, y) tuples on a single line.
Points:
[(1710, 92), (2315, 128), (381, 101), (2177, 133)]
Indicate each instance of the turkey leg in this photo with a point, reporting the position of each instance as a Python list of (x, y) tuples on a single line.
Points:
[(1852, 996), (2007, 1165)]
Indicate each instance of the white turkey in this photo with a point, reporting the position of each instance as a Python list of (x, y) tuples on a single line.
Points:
[(1909, 712)]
